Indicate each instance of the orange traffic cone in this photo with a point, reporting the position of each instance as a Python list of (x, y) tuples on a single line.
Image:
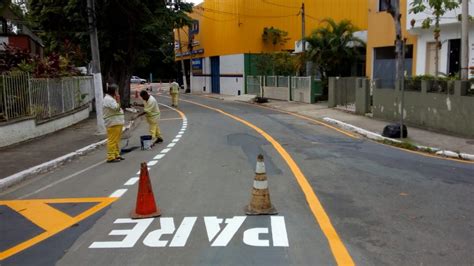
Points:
[(146, 206), (260, 201)]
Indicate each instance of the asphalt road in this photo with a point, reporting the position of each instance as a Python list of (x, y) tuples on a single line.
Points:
[(339, 199)]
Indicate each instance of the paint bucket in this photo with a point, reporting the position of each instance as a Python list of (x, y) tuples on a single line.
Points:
[(146, 142)]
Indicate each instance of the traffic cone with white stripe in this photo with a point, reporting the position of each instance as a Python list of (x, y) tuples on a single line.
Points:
[(146, 206), (260, 201)]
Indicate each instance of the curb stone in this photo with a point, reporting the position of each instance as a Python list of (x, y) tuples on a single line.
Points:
[(378, 137), (14, 179)]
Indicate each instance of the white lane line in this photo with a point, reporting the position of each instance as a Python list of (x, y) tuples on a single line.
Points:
[(152, 162), (181, 132), (175, 140), (171, 145), (131, 181), (165, 150), (118, 193), (61, 180), (179, 135), (159, 156), (140, 170)]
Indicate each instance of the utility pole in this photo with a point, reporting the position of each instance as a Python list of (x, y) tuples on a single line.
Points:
[(303, 41), (464, 40), (402, 89), (96, 66), (183, 69)]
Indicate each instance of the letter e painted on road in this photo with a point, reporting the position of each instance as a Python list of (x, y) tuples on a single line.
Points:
[(131, 235)]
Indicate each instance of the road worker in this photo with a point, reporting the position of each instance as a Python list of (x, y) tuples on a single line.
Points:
[(174, 91), (114, 120), (152, 112)]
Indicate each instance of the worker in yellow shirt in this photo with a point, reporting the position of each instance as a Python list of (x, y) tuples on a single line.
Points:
[(152, 112), (174, 91), (114, 120)]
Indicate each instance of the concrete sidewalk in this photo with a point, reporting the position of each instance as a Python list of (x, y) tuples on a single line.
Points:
[(416, 136)]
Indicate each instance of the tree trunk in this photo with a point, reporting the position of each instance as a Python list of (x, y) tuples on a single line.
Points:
[(120, 74), (399, 47)]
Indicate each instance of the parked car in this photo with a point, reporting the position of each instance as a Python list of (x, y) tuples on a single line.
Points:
[(135, 79)]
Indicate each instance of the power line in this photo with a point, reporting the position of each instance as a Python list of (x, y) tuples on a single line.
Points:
[(213, 19), (241, 14), (280, 5)]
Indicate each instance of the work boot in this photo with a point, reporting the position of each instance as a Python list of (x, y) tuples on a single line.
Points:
[(158, 140)]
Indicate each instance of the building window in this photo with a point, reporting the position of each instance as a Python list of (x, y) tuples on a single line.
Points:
[(195, 27)]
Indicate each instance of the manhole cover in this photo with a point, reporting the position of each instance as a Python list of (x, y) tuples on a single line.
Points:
[(471, 142)]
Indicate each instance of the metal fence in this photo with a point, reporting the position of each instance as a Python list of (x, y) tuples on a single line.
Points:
[(254, 85), (22, 96), (300, 82), (283, 81), (270, 81)]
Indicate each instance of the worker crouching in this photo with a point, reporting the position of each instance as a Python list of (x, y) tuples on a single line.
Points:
[(152, 114)]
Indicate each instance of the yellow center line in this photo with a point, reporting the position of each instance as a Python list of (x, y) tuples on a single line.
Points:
[(355, 136), (338, 249), (349, 134)]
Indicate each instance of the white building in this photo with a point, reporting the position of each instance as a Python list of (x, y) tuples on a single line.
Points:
[(450, 38)]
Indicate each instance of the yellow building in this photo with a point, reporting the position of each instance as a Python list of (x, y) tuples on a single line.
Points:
[(227, 32), (380, 59)]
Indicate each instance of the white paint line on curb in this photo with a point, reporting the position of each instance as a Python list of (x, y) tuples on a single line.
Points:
[(131, 181), (44, 167), (20, 176), (152, 162), (165, 151), (159, 156), (171, 145), (118, 193), (375, 136)]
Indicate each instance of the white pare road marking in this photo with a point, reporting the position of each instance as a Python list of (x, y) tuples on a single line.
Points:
[(220, 232), (131, 235)]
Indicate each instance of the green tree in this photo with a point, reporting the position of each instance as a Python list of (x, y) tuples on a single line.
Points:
[(274, 36), (130, 32), (276, 63), (438, 9), (333, 48)]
